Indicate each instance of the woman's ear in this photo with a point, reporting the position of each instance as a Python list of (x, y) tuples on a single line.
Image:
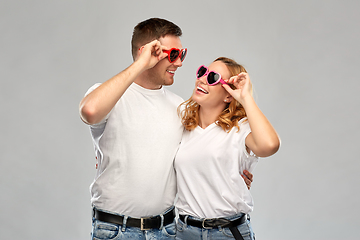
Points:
[(228, 98)]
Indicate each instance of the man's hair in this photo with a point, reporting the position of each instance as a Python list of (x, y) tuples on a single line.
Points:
[(151, 29)]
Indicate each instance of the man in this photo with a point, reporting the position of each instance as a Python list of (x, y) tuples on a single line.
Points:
[(136, 132)]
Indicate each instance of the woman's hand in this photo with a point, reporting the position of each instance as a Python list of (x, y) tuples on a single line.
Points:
[(242, 84)]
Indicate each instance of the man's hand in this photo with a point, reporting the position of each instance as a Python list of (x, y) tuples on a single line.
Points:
[(248, 178), (151, 54)]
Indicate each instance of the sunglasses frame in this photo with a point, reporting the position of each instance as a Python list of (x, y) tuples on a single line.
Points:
[(220, 80), (180, 52)]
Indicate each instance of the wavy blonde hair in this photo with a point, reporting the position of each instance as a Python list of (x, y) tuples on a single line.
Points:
[(229, 117)]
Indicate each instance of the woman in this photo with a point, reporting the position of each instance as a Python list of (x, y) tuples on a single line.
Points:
[(225, 133)]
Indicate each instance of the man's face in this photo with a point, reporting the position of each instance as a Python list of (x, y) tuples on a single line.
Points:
[(163, 72)]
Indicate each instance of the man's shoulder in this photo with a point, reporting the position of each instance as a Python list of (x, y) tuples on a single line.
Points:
[(173, 95)]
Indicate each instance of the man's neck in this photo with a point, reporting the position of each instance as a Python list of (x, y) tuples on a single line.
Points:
[(143, 81)]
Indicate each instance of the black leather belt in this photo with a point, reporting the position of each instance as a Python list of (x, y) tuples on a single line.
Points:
[(145, 223), (209, 223)]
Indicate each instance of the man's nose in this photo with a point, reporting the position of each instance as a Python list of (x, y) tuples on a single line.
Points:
[(178, 62)]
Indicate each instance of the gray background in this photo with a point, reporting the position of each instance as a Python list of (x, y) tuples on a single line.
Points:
[(302, 57)]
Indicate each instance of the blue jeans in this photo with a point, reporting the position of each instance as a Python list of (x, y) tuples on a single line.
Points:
[(109, 231), (187, 232)]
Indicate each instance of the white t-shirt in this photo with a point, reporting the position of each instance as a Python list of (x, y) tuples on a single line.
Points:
[(208, 166), (135, 147)]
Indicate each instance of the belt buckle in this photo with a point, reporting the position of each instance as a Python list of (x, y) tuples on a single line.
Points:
[(142, 223), (203, 223)]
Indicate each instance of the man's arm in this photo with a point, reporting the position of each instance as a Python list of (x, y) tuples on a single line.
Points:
[(96, 105), (248, 178)]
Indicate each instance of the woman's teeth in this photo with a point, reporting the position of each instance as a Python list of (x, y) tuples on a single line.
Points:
[(202, 90)]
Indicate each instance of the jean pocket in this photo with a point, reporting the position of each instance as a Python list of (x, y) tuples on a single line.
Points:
[(179, 225), (170, 230), (103, 230)]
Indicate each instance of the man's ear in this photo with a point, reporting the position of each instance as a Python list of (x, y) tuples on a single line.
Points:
[(139, 52)]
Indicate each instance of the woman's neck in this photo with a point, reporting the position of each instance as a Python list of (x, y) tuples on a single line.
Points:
[(207, 116)]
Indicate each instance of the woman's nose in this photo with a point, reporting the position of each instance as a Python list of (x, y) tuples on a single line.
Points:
[(202, 79)]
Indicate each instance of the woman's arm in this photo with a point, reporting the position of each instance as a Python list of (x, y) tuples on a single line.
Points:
[(263, 139)]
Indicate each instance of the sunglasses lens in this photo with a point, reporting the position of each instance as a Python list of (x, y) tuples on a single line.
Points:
[(201, 72), (174, 54), (183, 54), (213, 77)]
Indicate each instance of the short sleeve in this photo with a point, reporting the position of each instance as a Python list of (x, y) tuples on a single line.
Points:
[(247, 161), (102, 123)]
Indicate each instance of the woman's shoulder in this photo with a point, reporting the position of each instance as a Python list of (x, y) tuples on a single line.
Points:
[(243, 121), (244, 127)]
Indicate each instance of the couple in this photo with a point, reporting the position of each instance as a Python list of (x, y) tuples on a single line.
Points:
[(136, 132)]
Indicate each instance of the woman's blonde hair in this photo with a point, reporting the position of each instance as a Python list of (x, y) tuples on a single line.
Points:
[(229, 117)]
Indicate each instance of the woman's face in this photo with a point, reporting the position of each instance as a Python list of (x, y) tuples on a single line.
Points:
[(212, 96)]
